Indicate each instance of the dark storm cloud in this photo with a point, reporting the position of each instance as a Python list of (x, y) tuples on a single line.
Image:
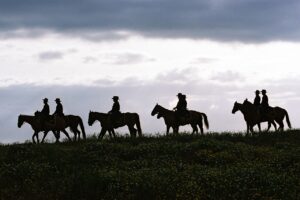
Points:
[(224, 20)]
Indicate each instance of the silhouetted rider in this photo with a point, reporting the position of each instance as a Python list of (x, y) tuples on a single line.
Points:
[(264, 104), (181, 107), (59, 108), (46, 110), (115, 111), (257, 98), (265, 99), (44, 114), (181, 104)]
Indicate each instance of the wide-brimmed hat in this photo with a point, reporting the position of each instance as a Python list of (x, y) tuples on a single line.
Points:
[(115, 98), (257, 92), (179, 94), (45, 99), (57, 100), (264, 91)]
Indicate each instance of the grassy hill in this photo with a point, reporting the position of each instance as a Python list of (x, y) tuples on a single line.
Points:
[(213, 166)]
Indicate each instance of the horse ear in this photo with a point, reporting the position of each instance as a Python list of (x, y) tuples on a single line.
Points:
[(157, 104)]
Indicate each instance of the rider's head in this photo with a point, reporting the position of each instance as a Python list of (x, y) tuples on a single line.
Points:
[(179, 95), (115, 98), (45, 100), (57, 100), (257, 92), (264, 91)]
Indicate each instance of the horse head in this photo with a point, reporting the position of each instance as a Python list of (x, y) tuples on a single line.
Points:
[(159, 115), (155, 110), (92, 118), (236, 107), (20, 121)]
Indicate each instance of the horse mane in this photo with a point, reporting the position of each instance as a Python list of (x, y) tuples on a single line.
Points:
[(163, 108)]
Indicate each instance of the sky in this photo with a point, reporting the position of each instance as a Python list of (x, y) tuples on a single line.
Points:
[(146, 51)]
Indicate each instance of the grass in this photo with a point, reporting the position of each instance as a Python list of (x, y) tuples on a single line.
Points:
[(212, 166)]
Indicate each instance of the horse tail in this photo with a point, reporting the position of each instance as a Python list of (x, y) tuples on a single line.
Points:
[(138, 125), (287, 118), (82, 128), (205, 120)]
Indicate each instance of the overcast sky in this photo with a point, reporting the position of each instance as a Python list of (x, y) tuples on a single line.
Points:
[(146, 51)]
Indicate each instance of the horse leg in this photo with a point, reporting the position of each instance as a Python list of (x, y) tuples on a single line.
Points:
[(33, 140), (56, 135), (132, 131), (195, 129), (66, 133), (251, 129), (45, 134), (37, 138), (281, 125), (168, 129), (275, 126), (201, 128), (176, 129), (112, 134), (101, 134), (78, 132), (248, 128), (259, 127)]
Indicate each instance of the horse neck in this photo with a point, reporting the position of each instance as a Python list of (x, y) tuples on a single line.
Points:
[(167, 115), (100, 116), (165, 111), (28, 119)]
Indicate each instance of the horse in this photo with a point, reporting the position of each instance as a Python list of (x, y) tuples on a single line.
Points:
[(72, 121), (170, 119), (35, 123), (253, 117), (127, 119)]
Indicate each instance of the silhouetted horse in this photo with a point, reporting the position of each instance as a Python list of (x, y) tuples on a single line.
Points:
[(126, 119), (195, 118), (253, 117), (72, 121), (37, 127)]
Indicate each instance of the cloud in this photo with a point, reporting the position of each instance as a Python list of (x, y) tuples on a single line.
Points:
[(205, 60), (89, 59), (50, 55), (226, 20), (125, 58), (228, 76)]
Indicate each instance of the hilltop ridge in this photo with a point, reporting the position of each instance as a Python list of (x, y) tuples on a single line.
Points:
[(212, 166)]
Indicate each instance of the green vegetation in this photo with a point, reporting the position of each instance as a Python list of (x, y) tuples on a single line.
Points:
[(213, 166)]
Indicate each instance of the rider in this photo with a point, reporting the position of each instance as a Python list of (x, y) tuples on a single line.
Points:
[(265, 100), (45, 112), (257, 98), (264, 103), (115, 111), (181, 107), (59, 108)]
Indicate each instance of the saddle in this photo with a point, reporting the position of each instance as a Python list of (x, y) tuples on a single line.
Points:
[(183, 116), (117, 119)]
